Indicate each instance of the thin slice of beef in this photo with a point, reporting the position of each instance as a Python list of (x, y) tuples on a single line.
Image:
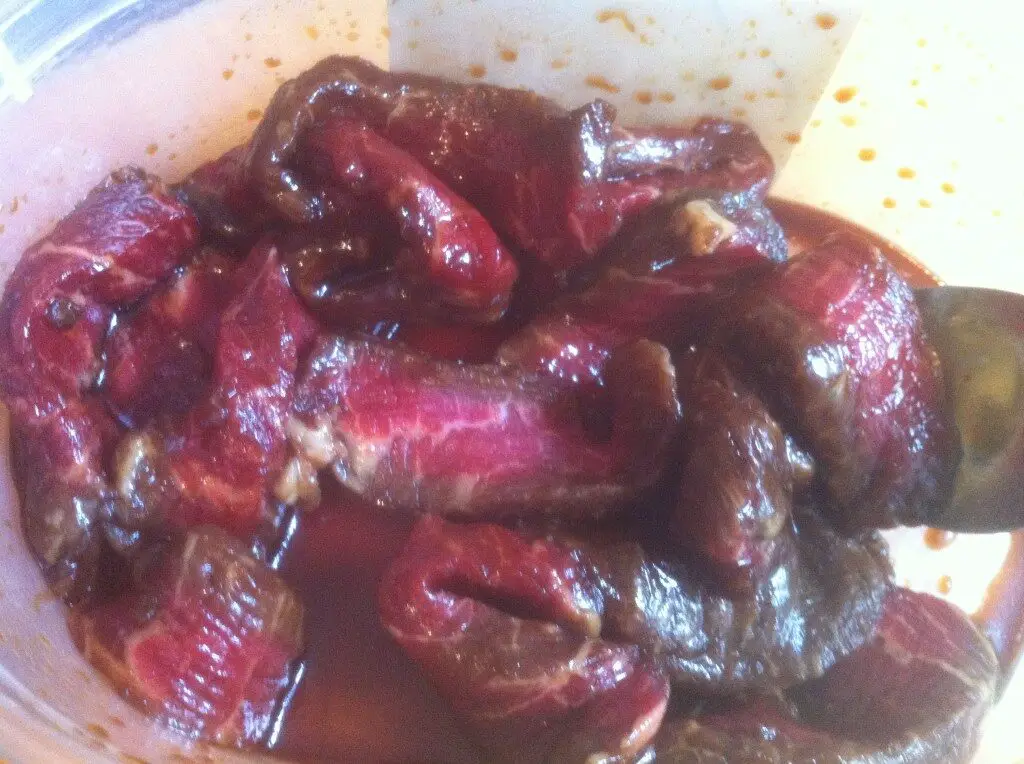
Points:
[(159, 358), (452, 264), (509, 633), (115, 247), (419, 434), (663, 274), (834, 342), (219, 461), (556, 184), (916, 694), (205, 642)]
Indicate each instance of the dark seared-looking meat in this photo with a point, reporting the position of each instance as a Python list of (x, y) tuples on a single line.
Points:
[(218, 462), (506, 624), (555, 183), (834, 342), (664, 272), (229, 209), (451, 264), (916, 694), (447, 601), (159, 358), (205, 642), (738, 475), (116, 246), (481, 441)]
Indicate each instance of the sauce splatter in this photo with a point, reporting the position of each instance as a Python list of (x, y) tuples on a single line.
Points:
[(906, 173), (477, 71), (385, 32), (722, 82), (228, 74), (771, 93), (936, 538), (922, 43), (826, 21), (848, 119), (845, 94), (750, 96), (559, 63), (605, 16), (352, 36), (764, 53), (945, 585), (793, 138), (98, 730), (254, 114), (508, 55), (867, 155), (602, 83), (666, 96), (272, 62), (889, 203), (741, 55), (780, 74), (151, 149), (924, 204), (922, 103), (644, 97), (312, 32), (948, 188)]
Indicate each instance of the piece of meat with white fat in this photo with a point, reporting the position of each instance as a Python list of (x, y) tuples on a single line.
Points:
[(125, 237), (419, 434), (205, 642), (916, 694)]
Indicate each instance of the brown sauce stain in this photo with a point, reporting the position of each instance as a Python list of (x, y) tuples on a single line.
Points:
[(792, 138), (764, 52), (826, 21), (272, 62), (248, 36), (771, 93), (601, 83), (98, 730), (923, 103), (924, 204), (152, 148), (867, 155), (906, 173), (611, 14), (848, 119), (227, 74), (845, 94), (722, 82), (253, 114), (945, 584), (750, 96), (739, 112), (741, 55), (780, 74), (937, 539), (559, 63), (643, 97), (948, 188), (352, 36), (312, 32), (15, 204), (889, 203), (477, 71), (385, 32), (666, 96), (508, 55)]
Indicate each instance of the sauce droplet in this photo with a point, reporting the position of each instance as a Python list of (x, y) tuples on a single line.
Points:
[(228, 74), (644, 97), (764, 53), (601, 83), (254, 114), (867, 155), (385, 32), (779, 74), (936, 538), (906, 173), (848, 119), (889, 203), (771, 93), (666, 96), (312, 32), (508, 55), (559, 63), (605, 16), (826, 21), (793, 138), (151, 149), (272, 62), (948, 188), (722, 82), (945, 585), (352, 36), (924, 204), (922, 103), (845, 94), (477, 70)]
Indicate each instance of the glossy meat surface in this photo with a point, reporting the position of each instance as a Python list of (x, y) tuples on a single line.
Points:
[(917, 693), (834, 342), (206, 643), (555, 183), (113, 249), (481, 441)]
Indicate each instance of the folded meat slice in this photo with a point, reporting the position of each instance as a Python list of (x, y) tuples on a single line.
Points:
[(205, 643), (159, 358), (115, 247), (664, 273), (834, 343), (509, 633), (556, 184), (218, 462), (508, 623), (916, 694), (418, 434)]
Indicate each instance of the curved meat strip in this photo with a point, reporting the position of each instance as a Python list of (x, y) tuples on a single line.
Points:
[(414, 433), (159, 358), (916, 694), (664, 273), (508, 632), (229, 209), (218, 462), (452, 264), (822, 602), (739, 473), (115, 247), (834, 343), (556, 184), (205, 641)]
